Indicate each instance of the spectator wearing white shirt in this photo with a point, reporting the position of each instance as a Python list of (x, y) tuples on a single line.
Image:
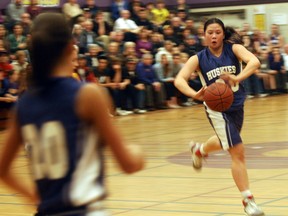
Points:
[(128, 26), (72, 10), (285, 58)]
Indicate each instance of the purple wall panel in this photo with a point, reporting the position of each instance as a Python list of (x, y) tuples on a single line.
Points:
[(192, 3)]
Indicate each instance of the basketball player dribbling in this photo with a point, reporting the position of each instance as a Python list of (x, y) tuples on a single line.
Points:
[(222, 60), (65, 126)]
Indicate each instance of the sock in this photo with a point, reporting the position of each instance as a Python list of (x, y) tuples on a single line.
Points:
[(202, 150), (246, 193)]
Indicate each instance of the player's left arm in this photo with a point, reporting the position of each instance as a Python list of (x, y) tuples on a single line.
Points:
[(252, 62), (12, 144)]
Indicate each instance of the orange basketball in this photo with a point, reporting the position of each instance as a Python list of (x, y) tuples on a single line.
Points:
[(218, 96)]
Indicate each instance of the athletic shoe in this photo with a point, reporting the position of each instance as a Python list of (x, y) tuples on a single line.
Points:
[(251, 208), (196, 156), (140, 111)]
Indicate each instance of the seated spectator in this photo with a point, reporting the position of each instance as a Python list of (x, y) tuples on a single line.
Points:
[(20, 63), (116, 8), (5, 64), (181, 5), (129, 50), (34, 9), (167, 50), (12, 87), (168, 34), (114, 51), (143, 43), (13, 13), (155, 93), (118, 87), (134, 7), (165, 74), (276, 62), (87, 37), (118, 36), (93, 9), (127, 25), (92, 55), (85, 73), (137, 88), (102, 28), (71, 9), (160, 14), (190, 45), (26, 23), (1, 18), (143, 21), (157, 42), (17, 41), (266, 74), (4, 101), (76, 33)]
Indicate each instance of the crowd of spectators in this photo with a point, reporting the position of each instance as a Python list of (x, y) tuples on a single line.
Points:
[(134, 51)]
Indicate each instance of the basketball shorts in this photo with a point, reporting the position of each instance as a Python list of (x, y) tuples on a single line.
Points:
[(227, 126)]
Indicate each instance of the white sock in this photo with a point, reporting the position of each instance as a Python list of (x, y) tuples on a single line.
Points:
[(246, 193), (202, 150)]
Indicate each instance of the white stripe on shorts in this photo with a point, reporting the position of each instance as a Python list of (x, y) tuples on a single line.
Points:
[(220, 126)]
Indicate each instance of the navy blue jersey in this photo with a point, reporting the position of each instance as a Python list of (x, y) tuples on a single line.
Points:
[(65, 153), (212, 67)]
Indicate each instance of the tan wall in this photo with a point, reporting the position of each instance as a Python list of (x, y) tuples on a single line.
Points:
[(272, 11)]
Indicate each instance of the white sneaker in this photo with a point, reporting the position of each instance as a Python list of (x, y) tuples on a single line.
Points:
[(262, 95), (120, 112), (140, 111), (251, 208), (250, 96), (196, 156)]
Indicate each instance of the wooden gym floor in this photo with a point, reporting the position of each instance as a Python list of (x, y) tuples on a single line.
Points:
[(168, 186)]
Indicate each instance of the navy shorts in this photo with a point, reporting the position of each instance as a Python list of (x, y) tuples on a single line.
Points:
[(227, 126)]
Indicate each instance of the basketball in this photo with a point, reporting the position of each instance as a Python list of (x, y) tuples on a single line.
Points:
[(218, 96)]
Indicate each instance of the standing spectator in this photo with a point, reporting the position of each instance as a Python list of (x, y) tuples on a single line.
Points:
[(276, 38), (17, 41), (155, 95), (72, 10), (160, 13), (13, 13), (34, 9), (90, 4), (118, 6), (262, 44)]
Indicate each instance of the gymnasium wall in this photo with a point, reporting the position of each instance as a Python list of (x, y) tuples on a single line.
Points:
[(260, 16)]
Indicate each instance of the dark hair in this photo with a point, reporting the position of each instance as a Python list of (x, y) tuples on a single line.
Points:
[(231, 36), (50, 36)]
